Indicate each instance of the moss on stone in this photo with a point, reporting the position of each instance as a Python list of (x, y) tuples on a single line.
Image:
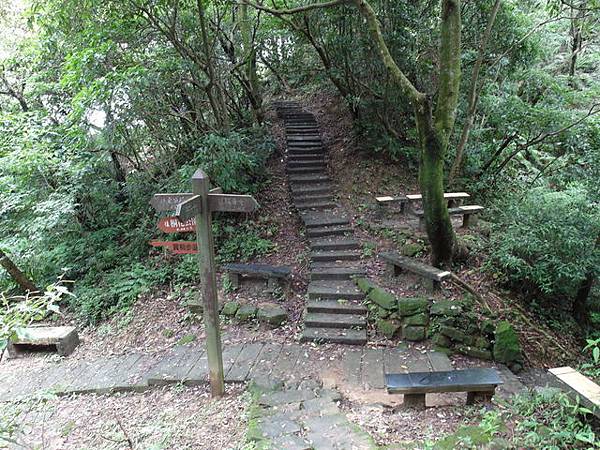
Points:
[(445, 308), (245, 312), (420, 319), (412, 306), (507, 348), (383, 298), (230, 308), (387, 328), (412, 333), (364, 285)]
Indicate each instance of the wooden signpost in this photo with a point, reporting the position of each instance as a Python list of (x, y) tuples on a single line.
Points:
[(193, 211)]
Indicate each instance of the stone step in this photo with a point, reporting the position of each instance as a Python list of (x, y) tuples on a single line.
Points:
[(326, 219), (335, 307), (292, 163), (305, 145), (303, 137), (336, 273), (310, 154), (334, 290), (331, 264), (299, 198), (309, 179), (314, 189), (318, 156), (334, 320), (301, 129), (321, 169), (334, 336), (333, 244), (316, 205), (328, 231), (303, 122), (343, 255)]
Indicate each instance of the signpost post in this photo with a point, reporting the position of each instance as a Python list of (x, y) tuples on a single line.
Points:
[(194, 211)]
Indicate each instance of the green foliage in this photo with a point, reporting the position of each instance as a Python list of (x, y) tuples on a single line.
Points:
[(592, 350), (546, 240), (241, 242), (21, 311)]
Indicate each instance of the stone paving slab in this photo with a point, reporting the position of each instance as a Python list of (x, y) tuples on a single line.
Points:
[(266, 364)]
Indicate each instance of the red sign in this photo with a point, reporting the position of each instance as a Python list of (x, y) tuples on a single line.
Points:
[(177, 248), (172, 224)]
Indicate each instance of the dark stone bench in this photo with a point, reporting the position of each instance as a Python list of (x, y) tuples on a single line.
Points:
[(466, 211), (479, 384), (431, 276), (275, 275)]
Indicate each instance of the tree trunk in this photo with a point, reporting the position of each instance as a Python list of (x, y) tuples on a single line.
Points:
[(580, 309), (254, 94), (19, 277), (473, 96), (431, 180)]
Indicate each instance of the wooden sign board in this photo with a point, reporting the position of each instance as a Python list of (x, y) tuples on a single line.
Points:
[(232, 203), (189, 208), (169, 202), (172, 224), (177, 247)]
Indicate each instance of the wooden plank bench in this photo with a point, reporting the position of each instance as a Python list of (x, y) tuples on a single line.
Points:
[(432, 276), (580, 387), (469, 213), (454, 199), (275, 275), (61, 340), (479, 384)]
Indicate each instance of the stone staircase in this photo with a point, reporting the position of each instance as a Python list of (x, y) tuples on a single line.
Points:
[(334, 312)]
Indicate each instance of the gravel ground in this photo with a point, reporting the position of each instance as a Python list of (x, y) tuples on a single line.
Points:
[(169, 418)]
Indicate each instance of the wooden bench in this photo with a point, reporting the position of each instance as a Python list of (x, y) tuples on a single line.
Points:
[(454, 199), (469, 213), (479, 384), (61, 340), (431, 276), (275, 275), (580, 387)]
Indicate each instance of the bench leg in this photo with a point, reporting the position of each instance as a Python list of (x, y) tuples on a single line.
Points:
[(414, 400), (469, 220), (431, 286), (421, 223), (476, 397), (235, 280), (272, 285)]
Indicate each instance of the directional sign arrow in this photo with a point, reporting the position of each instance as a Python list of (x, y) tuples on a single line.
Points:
[(232, 203), (172, 224), (177, 247), (169, 202), (189, 208)]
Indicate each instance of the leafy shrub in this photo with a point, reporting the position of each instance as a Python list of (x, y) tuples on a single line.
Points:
[(546, 241)]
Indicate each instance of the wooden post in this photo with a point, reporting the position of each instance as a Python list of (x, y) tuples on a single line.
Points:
[(206, 259)]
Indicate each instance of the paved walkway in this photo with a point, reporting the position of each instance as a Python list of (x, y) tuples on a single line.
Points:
[(266, 363)]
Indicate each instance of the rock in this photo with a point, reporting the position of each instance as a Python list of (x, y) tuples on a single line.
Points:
[(483, 343), (196, 305), (412, 249), (475, 352), (412, 306), (420, 319), (383, 298), (455, 334), (381, 313), (387, 328), (445, 308), (245, 312), (230, 308), (441, 340), (488, 327), (412, 333), (507, 348), (442, 349), (364, 285), (272, 314)]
